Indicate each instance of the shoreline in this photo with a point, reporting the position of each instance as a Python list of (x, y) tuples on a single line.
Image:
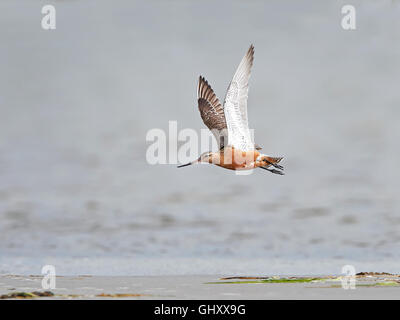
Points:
[(367, 286)]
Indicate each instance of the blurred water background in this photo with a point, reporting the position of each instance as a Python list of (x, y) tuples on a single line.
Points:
[(76, 104)]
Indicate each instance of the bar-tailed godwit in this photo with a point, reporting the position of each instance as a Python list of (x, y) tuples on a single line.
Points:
[(229, 124)]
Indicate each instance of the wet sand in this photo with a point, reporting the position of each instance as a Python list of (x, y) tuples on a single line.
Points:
[(204, 287)]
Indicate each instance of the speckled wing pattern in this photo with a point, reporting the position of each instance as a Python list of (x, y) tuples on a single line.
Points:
[(212, 112), (235, 105)]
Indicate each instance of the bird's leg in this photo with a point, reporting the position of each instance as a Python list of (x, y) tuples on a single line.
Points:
[(273, 170), (273, 164)]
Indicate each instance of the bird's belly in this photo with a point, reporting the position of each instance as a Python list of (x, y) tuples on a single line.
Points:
[(234, 159)]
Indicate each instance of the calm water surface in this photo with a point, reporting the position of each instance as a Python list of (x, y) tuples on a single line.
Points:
[(76, 104)]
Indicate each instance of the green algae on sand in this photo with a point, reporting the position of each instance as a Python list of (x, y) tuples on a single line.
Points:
[(364, 279), (27, 295), (270, 280)]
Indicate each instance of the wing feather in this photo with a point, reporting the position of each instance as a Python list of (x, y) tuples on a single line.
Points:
[(235, 105), (211, 111)]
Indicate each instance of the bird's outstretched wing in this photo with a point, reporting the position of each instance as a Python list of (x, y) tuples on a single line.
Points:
[(212, 112), (235, 105)]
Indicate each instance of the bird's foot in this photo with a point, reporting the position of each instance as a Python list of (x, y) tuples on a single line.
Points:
[(273, 170), (278, 166)]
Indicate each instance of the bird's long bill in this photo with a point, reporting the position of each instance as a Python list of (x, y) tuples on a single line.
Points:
[(188, 164)]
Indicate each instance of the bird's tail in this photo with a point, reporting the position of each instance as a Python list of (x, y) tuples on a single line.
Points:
[(273, 159)]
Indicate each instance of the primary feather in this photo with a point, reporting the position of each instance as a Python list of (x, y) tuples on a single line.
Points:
[(229, 123), (235, 105)]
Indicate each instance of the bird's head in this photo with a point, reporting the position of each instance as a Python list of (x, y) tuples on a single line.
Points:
[(204, 157)]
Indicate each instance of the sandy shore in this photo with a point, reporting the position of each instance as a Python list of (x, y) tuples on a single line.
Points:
[(202, 287)]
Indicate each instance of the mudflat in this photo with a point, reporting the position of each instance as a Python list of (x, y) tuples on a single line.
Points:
[(366, 286)]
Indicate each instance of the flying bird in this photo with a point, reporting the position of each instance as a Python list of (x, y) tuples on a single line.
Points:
[(229, 124)]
